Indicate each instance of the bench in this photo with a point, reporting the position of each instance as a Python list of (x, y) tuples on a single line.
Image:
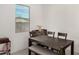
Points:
[(40, 50)]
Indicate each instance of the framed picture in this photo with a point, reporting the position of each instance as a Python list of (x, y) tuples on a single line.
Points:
[(22, 18)]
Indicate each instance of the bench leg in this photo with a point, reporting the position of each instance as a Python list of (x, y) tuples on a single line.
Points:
[(62, 52), (29, 52)]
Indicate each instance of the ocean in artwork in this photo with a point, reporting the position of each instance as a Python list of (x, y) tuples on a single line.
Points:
[(22, 11)]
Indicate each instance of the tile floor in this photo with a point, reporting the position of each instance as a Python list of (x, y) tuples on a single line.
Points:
[(21, 52), (25, 52)]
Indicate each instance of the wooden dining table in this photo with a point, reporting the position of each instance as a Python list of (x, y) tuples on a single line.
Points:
[(54, 43)]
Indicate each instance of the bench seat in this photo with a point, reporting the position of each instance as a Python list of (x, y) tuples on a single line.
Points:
[(41, 50)]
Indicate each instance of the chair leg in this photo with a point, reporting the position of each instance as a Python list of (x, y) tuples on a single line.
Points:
[(8, 53)]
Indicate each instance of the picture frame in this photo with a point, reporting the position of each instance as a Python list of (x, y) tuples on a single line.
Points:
[(22, 18)]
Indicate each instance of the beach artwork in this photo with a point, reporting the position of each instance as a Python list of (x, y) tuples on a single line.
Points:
[(22, 18)]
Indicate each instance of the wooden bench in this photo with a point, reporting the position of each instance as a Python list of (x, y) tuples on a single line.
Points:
[(40, 50)]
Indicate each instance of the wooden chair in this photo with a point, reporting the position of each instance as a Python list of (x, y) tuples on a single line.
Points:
[(6, 46), (51, 33), (62, 35), (44, 32), (35, 33)]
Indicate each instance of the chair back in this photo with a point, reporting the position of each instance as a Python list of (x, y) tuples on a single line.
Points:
[(44, 31), (62, 35), (51, 33), (34, 33)]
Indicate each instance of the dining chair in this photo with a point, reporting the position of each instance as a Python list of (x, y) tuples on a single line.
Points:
[(44, 32), (51, 33), (62, 35), (35, 33), (6, 45)]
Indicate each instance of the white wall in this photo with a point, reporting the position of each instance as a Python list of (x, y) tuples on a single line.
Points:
[(36, 16), (63, 18), (19, 41)]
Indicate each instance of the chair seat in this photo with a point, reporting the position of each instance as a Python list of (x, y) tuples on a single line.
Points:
[(41, 50), (5, 45), (1, 53)]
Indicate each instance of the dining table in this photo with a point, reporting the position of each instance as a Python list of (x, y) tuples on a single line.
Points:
[(58, 44)]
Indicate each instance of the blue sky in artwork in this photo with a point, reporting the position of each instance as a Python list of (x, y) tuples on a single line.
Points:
[(22, 11)]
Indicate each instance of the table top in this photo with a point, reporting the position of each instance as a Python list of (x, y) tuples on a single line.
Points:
[(51, 42)]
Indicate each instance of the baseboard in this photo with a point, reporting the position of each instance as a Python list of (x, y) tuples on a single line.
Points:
[(18, 51)]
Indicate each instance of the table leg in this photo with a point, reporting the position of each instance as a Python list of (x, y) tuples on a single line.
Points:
[(72, 48), (29, 44)]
